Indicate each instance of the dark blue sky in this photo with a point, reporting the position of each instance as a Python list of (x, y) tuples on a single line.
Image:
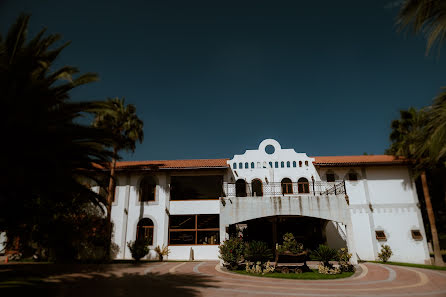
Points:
[(213, 78)]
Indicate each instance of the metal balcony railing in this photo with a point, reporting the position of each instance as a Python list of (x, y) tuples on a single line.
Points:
[(259, 189)]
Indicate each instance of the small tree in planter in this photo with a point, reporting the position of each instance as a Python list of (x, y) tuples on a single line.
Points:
[(162, 251), (231, 252), (139, 248), (386, 253), (290, 245)]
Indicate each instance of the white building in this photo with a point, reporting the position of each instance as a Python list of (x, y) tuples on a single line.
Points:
[(360, 202)]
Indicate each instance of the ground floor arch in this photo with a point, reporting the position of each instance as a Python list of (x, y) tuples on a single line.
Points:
[(309, 231)]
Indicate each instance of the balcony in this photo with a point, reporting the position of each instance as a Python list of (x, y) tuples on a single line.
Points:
[(259, 189), (319, 199)]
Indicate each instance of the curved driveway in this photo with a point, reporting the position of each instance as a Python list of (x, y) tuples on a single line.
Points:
[(374, 280)]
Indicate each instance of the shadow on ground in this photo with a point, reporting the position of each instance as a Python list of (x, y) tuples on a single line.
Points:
[(100, 281)]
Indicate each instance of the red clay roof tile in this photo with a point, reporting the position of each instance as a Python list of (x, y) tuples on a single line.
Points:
[(359, 160), (174, 164)]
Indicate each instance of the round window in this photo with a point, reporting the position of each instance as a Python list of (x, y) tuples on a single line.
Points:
[(269, 149)]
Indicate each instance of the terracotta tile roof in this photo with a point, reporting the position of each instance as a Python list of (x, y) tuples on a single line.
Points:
[(174, 164), (359, 160), (222, 163)]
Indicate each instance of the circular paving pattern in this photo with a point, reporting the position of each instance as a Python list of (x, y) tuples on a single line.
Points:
[(374, 280)]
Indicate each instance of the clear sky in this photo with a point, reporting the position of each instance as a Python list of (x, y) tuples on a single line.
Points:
[(213, 78)]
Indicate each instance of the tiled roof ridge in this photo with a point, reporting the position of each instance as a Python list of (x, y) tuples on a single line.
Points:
[(222, 162)]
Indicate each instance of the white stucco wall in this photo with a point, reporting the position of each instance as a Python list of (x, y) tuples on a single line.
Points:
[(128, 209), (200, 252)]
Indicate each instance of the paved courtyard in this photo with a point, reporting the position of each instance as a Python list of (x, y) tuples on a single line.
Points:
[(206, 279)]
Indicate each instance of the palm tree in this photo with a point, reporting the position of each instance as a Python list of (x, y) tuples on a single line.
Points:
[(47, 156), (409, 135), (123, 123), (427, 16)]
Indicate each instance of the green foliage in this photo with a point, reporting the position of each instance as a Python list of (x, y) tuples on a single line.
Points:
[(139, 248), (121, 121), (48, 158), (324, 254), (290, 244), (385, 254), (257, 251), (424, 16), (344, 260), (231, 252)]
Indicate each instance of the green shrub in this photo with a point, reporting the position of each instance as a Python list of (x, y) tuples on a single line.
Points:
[(344, 261), (290, 244), (231, 252), (139, 248), (324, 254), (386, 253), (257, 251)]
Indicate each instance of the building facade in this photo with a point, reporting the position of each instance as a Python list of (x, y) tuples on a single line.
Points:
[(359, 202)]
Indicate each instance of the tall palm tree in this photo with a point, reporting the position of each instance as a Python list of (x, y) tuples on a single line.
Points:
[(409, 135), (427, 16), (123, 123), (46, 156)]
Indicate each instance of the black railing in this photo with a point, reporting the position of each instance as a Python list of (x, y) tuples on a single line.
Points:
[(282, 189)]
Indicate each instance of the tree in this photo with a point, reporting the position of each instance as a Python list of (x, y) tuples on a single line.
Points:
[(47, 158), (427, 16), (125, 126), (409, 137)]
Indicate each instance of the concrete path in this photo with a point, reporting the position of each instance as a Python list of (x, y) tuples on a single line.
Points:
[(206, 279)]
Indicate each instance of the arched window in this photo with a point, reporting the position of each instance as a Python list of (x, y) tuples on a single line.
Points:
[(294, 164), (240, 188), (147, 189), (234, 166), (300, 163), (282, 164), (276, 164), (145, 230), (287, 186), (257, 187), (246, 165), (240, 165), (288, 164), (306, 163), (252, 165), (303, 186)]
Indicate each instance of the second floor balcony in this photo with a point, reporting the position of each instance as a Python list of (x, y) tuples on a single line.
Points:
[(286, 187)]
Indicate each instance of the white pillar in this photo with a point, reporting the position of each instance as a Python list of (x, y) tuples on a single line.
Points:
[(351, 244)]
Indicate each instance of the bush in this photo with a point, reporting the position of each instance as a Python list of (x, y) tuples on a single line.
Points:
[(257, 251), (162, 251), (290, 244), (259, 268), (344, 260), (231, 252), (386, 253), (139, 248), (324, 254)]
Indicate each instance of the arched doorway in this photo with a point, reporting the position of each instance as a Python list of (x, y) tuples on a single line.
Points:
[(303, 186), (287, 186), (144, 230), (147, 189), (257, 187), (240, 188)]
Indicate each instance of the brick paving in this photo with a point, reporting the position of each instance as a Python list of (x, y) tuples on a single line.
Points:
[(207, 279)]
